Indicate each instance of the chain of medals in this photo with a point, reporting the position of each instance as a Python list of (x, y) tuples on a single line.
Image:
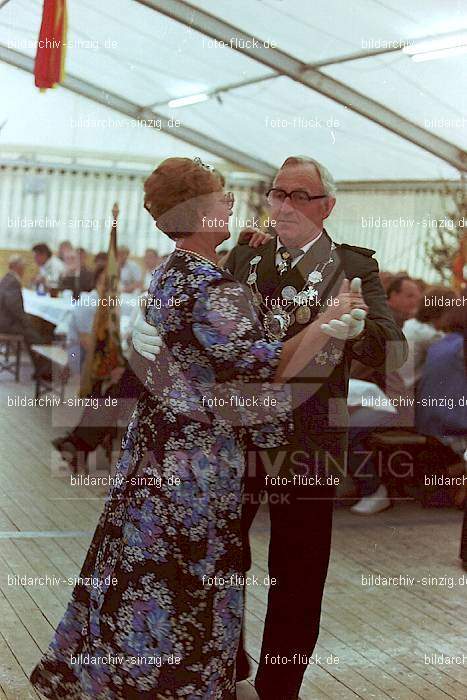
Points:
[(276, 322)]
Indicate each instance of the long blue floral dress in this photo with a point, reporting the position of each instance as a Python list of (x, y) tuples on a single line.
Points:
[(158, 611)]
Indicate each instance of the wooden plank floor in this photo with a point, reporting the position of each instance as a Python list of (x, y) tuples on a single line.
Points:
[(380, 634)]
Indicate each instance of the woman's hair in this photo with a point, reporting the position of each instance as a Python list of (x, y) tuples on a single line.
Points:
[(172, 192), (430, 308)]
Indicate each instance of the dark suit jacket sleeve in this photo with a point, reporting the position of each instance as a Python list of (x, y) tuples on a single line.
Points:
[(13, 302), (382, 343), (231, 262)]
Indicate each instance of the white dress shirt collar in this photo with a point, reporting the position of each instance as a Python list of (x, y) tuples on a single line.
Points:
[(306, 247)]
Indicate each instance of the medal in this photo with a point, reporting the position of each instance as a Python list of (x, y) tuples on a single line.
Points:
[(252, 277), (258, 298), (288, 293), (276, 324), (303, 314), (315, 277), (282, 267)]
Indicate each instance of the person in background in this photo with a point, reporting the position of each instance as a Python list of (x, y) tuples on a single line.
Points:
[(404, 297), (77, 278), (423, 330), (51, 268), (151, 261), (63, 248), (81, 322), (100, 258), (130, 271), (83, 256), (399, 386), (94, 426), (386, 279), (441, 408), (13, 318)]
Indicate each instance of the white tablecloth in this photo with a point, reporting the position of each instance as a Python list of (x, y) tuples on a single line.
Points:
[(53, 310), (57, 310)]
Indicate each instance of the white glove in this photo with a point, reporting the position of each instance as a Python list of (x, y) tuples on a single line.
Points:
[(349, 326), (145, 338)]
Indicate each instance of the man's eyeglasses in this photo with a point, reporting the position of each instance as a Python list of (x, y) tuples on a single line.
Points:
[(276, 196)]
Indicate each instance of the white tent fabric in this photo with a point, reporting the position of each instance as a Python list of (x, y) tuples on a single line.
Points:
[(132, 50)]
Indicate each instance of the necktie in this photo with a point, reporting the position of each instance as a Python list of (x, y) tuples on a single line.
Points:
[(288, 255)]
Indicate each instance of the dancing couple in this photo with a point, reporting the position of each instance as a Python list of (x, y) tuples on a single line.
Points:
[(162, 622)]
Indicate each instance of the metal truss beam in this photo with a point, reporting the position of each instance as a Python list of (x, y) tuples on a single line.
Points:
[(130, 109), (289, 66)]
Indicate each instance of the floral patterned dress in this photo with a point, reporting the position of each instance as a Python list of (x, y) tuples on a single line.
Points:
[(157, 611)]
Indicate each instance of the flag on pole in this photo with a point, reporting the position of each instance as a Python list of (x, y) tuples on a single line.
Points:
[(105, 353), (51, 47)]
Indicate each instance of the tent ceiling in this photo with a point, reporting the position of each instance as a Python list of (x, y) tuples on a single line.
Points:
[(156, 58)]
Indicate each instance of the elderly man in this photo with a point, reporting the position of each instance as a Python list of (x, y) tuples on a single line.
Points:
[(291, 277), (13, 318)]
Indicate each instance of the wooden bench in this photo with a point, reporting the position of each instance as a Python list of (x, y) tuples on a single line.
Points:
[(58, 359), (11, 343)]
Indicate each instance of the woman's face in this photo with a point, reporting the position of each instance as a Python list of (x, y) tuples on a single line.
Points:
[(214, 212)]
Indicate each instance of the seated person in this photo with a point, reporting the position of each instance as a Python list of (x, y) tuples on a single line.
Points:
[(399, 386), (130, 272), (151, 261), (81, 322), (95, 427), (63, 248), (50, 267), (441, 408), (13, 318), (422, 330), (76, 277), (100, 258)]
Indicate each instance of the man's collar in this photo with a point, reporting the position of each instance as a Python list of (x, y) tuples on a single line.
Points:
[(306, 247)]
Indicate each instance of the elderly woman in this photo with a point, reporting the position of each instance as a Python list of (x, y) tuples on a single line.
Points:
[(157, 611)]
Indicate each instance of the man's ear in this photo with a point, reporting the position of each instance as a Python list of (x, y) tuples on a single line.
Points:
[(329, 206)]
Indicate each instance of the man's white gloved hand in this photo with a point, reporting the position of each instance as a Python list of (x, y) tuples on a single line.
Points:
[(350, 325), (145, 338)]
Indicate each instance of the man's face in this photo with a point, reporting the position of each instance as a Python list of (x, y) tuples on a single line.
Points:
[(71, 260), (297, 224), (40, 259), (407, 300)]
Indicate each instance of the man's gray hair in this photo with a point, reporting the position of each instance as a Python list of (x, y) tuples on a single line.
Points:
[(326, 178), (15, 260)]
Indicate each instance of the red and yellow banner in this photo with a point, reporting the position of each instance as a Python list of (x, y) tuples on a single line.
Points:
[(51, 48)]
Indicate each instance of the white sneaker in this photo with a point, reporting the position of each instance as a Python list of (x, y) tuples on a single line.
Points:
[(374, 503)]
